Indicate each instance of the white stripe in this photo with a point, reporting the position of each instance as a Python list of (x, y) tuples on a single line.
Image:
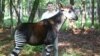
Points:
[(12, 55)]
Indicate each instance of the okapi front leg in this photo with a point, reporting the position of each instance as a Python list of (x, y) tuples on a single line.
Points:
[(56, 47), (50, 42), (49, 49), (19, 43)]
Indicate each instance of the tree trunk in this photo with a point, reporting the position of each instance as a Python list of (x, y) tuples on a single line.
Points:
[(1, 20), (98, 10), (92, 13), (17, 10), (29, 6), (33, 11), (2, 10), (11, 16), (83, 18)]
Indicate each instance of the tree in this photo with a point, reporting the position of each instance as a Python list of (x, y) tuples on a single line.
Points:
[(17, 9), (2, 10), (33, 11), (92, 12), (11, 14), (83, 19), (98, 9)]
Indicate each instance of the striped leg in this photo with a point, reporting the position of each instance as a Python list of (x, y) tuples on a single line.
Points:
[(48, 50), (19, 43), (52, 49)]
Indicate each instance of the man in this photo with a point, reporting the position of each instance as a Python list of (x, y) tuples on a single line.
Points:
[(50, 11)]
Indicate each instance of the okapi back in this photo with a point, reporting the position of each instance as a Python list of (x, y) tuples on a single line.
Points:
[(36, 31), (42, 32)]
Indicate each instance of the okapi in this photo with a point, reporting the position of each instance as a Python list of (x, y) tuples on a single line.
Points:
[(40, 33)]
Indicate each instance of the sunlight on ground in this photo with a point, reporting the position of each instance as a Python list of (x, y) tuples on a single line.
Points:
[(1, 30)]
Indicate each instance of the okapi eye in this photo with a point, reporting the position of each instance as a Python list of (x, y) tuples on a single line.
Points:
[(62, 10), (69, 11)]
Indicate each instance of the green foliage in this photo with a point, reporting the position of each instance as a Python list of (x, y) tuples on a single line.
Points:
[(44, 2), (73, 53), (30, 48), (64, 2), (97, 25), (7, 22), (24, 19), (2, 54)]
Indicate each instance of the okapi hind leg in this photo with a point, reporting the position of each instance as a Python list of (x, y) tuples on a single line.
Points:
[(19, 43)]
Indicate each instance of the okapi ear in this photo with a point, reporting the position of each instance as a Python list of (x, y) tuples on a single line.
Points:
[(60, 5)]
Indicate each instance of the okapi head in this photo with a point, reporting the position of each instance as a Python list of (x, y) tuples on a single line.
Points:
[(64, 12)]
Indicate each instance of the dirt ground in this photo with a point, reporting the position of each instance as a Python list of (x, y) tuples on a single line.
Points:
[(85, 44), (4, 33)]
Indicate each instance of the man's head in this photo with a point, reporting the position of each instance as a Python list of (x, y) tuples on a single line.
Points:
[(50, 6)]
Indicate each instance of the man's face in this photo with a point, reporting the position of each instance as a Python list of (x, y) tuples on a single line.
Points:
[(50, 7)]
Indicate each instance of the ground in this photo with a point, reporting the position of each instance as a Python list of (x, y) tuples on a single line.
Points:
[(82, 44)]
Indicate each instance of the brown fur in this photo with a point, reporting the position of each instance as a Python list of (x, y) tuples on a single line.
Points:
[(37, 33)]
